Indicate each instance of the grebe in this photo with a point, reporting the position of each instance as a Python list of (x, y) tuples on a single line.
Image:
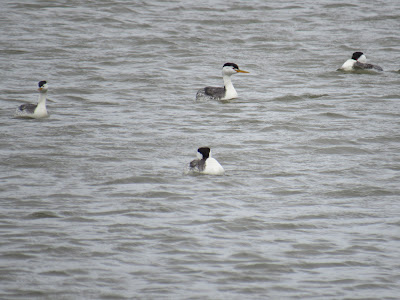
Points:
[(35, 111), (205, 164), (359, 62), (221, 93)]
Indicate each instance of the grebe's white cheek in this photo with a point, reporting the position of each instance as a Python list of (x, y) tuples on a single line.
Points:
[(228, 70), (362, 59)]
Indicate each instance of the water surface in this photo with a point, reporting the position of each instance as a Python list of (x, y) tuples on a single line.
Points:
[(95, 203)]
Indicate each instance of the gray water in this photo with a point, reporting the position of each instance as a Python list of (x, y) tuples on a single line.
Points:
[(94, 200)]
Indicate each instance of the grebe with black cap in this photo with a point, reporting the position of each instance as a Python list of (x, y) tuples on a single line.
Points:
[(358, 62), (205, 164), (35, 111), (221, 93)]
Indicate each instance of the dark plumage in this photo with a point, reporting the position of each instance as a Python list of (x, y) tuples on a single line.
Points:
[(363, 66), (199, 164), (28, 108), (235, 66), (356, 55), (215, 92)]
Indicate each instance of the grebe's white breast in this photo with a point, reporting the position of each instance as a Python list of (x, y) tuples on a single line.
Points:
[(35, 111), (221, 93), (213, 167)]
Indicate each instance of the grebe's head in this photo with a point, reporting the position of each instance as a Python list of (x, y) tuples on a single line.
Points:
[(359, 56), (231, 68), (43, 86), (203, 153)]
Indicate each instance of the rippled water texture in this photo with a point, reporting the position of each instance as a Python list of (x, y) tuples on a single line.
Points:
[(94, 200)]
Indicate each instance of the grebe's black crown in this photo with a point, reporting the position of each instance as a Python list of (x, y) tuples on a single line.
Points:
[(205, 151), (356, 55), (235, 66), (42, 83)]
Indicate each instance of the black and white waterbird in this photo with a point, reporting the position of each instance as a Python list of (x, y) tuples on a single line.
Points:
[(205, 164), (221, 93), (358, 61), (38, 110)]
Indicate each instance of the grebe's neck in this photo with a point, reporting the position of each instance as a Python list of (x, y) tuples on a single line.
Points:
[(230, 91), (41, 107), (42, 99)]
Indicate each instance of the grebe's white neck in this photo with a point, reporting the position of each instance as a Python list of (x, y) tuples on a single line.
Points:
[(230, 91), (41, 110)]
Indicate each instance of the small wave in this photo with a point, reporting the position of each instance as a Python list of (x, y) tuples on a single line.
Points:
[(342, 150), (12, 52), (335, 116), (42, 215), (289, 98), (134, 179), (360, 71), (339, 5), (360, 192)]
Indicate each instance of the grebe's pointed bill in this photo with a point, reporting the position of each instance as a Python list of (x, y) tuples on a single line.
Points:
[(241, 71)]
